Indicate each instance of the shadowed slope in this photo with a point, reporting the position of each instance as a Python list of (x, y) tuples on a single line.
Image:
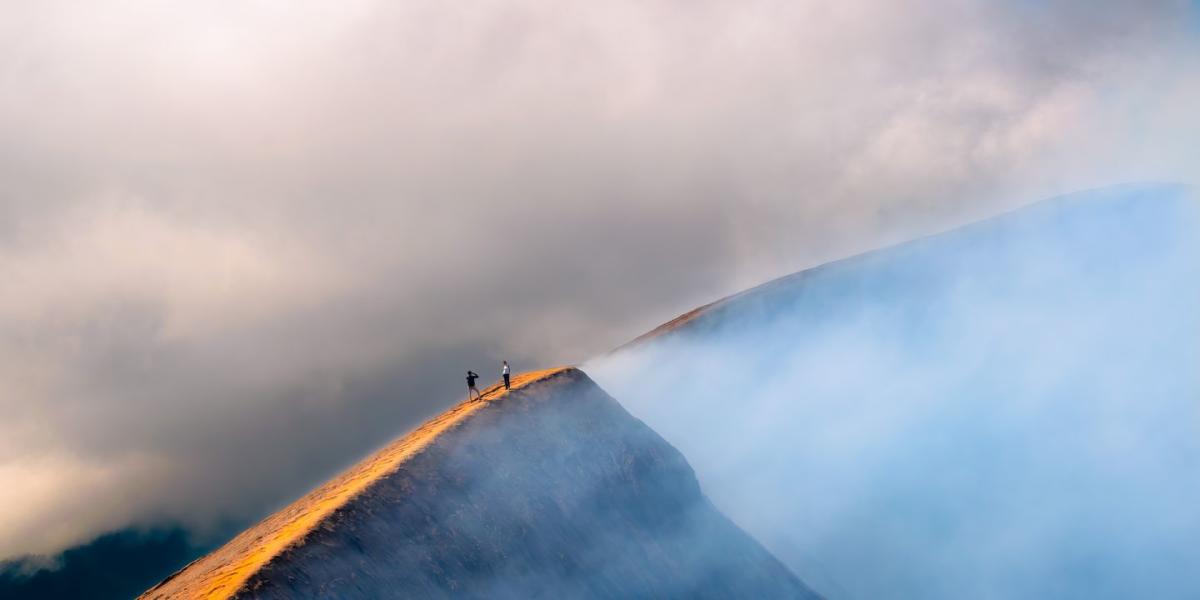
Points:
[(116, 566), (550, 489)]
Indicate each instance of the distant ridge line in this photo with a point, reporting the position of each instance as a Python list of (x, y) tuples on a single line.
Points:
[(1054, 201)]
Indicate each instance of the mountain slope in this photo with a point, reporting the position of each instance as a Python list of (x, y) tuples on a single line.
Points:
[(1005, 410), (549, 490)]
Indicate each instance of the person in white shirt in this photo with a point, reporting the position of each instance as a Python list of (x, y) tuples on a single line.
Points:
[(504, 372)]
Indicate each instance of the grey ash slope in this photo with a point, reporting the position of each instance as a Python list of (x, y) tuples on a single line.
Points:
[(552, 491)]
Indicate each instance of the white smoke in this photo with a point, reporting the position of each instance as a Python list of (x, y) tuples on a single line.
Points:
[(1011, 410)]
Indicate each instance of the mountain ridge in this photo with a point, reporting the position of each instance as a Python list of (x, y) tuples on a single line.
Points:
[(291, 524), (551, 489)]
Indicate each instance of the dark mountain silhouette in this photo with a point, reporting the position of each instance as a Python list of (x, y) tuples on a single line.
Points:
[(115, 565)]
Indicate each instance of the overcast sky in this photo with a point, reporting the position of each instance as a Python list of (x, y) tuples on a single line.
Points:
[(243, 242)]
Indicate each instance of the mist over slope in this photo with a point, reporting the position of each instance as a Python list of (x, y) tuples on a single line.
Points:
[(551, 490), (1007, 410)]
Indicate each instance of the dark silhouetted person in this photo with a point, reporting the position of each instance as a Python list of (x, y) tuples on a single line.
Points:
[(504, 372), (471, 377)]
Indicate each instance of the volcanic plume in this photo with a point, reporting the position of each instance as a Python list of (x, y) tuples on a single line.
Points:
[(1005, 410)]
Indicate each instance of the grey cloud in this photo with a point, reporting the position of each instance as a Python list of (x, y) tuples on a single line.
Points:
[(242, 243)]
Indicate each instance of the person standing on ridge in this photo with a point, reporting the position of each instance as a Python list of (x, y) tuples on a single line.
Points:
[(504, 372), (471, 377)]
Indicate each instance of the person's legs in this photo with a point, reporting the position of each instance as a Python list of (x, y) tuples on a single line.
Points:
[(506, 381)]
